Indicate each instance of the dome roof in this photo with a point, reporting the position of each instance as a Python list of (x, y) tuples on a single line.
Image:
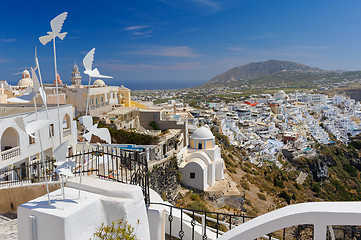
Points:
[(202, 133), (99, 82), (75, 68), (26, 80)]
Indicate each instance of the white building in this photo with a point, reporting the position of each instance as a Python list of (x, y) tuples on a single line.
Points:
[(201, 163), (18, 148)]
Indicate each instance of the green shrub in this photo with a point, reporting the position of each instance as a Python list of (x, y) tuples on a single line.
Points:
[(154, 125), (198, 206), (315, 188), (278, 183), (262, 196), (118, 230), (350, 169), (245, 185), (195, 197), (285, 196)]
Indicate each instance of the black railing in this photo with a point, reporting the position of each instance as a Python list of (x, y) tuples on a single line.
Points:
[(217, 223), (125, 166), (346, 232), (214, 223), (28, 173), (306, 232)]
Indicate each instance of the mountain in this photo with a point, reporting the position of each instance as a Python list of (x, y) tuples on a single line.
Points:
[(261, 69)]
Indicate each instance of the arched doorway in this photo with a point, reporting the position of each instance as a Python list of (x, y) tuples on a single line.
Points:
[(66, 125)]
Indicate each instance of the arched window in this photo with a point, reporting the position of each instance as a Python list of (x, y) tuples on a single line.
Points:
[(9, 139)]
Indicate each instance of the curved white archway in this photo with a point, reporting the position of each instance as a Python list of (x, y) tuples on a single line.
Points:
[(9, 139)]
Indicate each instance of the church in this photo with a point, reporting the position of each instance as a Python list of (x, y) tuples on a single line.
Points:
[(201, 163)]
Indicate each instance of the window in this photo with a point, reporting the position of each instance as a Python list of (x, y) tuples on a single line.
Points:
[(31, 139), (199, 145), (192, 175), (51, 130), (154, 116)]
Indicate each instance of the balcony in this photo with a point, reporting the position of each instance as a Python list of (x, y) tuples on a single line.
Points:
[(10, 153), (66, 132)]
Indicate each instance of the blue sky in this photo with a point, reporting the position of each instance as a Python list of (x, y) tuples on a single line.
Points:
[(179, 43)]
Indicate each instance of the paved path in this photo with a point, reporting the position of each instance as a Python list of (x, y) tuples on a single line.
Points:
[(8, 228), (227, 186)]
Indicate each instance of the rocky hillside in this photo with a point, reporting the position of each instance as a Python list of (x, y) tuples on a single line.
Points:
[(275, 73), (260, 69)]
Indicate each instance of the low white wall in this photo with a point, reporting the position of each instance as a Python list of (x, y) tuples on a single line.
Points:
[(100, 202)]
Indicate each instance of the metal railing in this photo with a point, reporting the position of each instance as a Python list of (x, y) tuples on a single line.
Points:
[(10, 153), (28, 173), (208, 223), (125, 166), (185, 223)]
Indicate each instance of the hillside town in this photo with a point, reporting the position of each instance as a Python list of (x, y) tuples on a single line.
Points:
[(267, 150), (263, 127)]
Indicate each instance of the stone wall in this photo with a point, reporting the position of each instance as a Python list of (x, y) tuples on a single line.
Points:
[(11, 198), (165, 179)]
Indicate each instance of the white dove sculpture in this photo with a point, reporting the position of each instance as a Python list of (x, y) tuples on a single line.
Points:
[(63, 166), (31, 127), (28, 96), (88, 65), (60, 154), (102, 133), (56, 25)]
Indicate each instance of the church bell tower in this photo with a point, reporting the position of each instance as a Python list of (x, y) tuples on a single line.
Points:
[(75, 76)]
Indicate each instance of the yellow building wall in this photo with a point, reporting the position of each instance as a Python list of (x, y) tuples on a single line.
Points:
[(126, 94), (209, 144), (192, 143), (136, 104)]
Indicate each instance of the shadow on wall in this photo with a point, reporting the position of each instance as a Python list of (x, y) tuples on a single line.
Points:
[(12, 197)]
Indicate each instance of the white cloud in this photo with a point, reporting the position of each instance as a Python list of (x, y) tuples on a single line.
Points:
[(8, 40), (166, 51), (142, 33), (136, 27)]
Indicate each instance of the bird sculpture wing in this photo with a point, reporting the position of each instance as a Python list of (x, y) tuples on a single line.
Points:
[(57, 23), (28, 90), (20, 122), (34, 126), (45, 39), (64, 171), (60, 153), (36, 84), (103, 133), (88, 60), (87, 122), (96, 74)]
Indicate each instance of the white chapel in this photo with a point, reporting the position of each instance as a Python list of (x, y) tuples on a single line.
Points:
[(201, 163)]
